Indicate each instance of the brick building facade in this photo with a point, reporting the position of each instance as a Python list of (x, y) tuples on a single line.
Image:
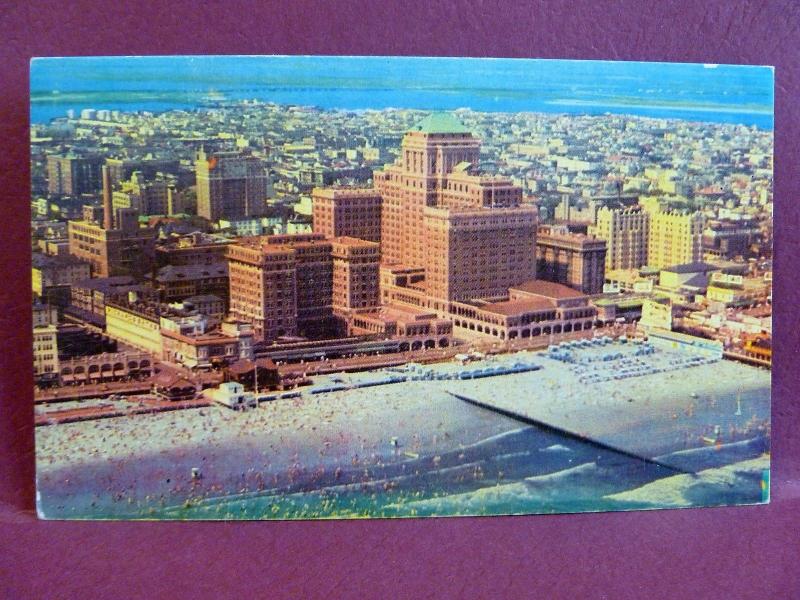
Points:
[(573, 259), (347, 212)]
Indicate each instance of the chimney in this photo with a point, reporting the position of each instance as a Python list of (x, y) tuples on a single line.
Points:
[(108, 221)]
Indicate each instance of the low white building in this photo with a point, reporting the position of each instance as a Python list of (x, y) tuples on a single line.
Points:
[(232, 395)]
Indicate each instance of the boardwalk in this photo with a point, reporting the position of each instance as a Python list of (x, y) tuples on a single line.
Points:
[(70, 393), (150, 404), (119, 408), (427, 356)]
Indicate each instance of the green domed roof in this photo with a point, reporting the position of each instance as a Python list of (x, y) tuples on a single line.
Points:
[(440, 122)]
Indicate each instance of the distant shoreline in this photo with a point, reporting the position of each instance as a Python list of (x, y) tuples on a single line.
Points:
[(45, 107), (692, 92)]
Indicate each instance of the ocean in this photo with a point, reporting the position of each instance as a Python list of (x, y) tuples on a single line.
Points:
[(527, 471), (693, 92)]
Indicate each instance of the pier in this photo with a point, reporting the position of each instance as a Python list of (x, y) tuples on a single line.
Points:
[(566, 433)]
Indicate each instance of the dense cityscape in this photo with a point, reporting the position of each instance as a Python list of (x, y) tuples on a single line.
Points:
[(248, 255)]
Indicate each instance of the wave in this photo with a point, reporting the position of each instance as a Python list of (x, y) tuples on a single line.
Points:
[(556, 448), (696, 459), (732, 474), (739, 483), (524, 470)]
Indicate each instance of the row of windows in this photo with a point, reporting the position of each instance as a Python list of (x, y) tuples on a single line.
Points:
[(363, 288), (89, 249)]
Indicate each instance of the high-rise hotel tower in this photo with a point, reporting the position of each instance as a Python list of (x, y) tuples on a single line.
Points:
[(467, 230), (231, 185)]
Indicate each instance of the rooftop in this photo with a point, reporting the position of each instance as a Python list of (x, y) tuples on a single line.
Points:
[(149, 309), (401, 268), (516, 307), (203, 298), (177, 272), (170, 378), (192, 240), (440, 122), (463, 166), (345, 192), (41, 261), (354, 242), (108, 284), (213, 336), (244, 365), (548, 289), (695, 267), (621, 302), (397, 312)]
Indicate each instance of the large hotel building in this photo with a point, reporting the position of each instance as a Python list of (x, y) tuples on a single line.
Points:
[(639, 236), (626, 233), (356, 274), (70, 175), (456, 256), (478, 252), (347, 212), (452, 239), (231, 185), (276, 282), (434, 170), (675, 239)]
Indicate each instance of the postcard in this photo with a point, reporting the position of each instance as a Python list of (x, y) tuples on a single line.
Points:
[(309, 287)]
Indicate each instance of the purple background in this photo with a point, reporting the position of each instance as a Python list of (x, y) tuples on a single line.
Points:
[(708, 553)]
